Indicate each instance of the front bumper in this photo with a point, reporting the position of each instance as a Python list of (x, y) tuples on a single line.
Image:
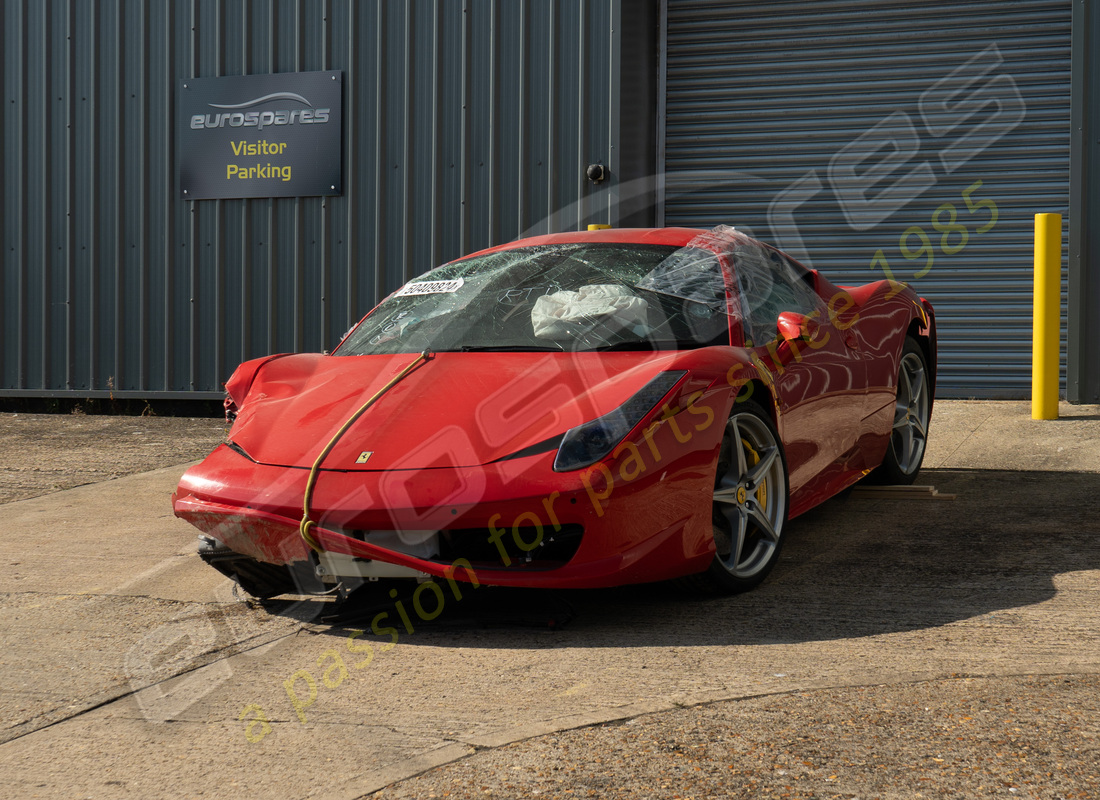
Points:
[(512, 523)]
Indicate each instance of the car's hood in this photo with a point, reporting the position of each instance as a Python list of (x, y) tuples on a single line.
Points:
[(456, 409)]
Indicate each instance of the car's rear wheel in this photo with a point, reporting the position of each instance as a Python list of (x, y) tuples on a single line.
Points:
[(912, 410), (749, 509)]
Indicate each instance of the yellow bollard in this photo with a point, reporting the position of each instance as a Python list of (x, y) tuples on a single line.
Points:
[(1046, 323)]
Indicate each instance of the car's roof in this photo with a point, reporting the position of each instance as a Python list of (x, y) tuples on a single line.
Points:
[(677, 237)]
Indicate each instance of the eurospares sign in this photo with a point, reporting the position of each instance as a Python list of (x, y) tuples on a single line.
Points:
[(261, 136)]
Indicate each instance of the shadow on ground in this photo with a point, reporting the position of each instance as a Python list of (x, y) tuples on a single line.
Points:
[(850, 568)]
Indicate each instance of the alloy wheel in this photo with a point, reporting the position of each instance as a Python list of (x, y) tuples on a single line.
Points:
[(749, 496), (910, 431)]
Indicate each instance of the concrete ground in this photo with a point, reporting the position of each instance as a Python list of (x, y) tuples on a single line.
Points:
[(919, 647)]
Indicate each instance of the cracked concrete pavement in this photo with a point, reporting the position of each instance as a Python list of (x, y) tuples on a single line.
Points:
[(132, 670)]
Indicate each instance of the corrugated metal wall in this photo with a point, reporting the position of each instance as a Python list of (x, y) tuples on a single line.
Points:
[(827, 128), (467, 123)]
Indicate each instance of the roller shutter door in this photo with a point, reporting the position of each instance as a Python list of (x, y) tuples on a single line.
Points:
[(915, 137)]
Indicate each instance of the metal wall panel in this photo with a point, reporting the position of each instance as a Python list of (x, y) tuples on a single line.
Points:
[(1083, 356), (467, 123), (820, 127)]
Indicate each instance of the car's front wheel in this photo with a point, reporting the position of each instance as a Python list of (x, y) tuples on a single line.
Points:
[(749, 509)]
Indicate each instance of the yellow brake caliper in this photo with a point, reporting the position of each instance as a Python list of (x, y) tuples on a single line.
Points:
[(754, 459)]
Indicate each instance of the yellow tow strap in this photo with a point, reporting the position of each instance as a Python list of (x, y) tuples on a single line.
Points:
[(307, 523)]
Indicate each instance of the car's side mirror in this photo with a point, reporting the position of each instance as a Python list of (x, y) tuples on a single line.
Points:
[(794, 326)]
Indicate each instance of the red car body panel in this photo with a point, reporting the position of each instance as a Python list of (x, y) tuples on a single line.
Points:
[(444, 449), (494, 404)]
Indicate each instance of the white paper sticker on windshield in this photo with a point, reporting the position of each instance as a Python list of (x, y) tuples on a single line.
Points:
[(430, 287)]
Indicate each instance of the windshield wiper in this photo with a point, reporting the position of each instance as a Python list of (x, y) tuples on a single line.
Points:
[(507, 348), (651, 344)]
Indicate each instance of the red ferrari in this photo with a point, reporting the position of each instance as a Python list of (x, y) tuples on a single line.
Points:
[(575, 410)]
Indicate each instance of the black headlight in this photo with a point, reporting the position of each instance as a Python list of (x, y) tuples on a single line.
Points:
[(588, 443)]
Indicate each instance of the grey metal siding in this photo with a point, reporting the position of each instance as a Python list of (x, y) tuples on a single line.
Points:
[(774, 111), (467, 123), (1083, 356)]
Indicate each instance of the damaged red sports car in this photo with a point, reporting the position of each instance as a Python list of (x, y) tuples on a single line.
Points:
[(575, 410)]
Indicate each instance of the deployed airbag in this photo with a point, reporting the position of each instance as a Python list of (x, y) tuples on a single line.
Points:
[(565, 314)]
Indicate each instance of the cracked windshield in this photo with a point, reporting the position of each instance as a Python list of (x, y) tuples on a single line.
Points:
[(576, 297)]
